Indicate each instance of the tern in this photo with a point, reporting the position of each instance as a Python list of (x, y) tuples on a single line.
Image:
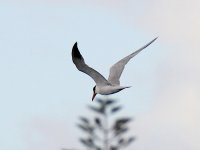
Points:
[(104, 86)]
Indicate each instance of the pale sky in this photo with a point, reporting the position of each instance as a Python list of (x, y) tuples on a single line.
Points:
[(43, 94)]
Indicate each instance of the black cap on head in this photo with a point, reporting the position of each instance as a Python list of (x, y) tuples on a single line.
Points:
[(94, 88), (94, 92)]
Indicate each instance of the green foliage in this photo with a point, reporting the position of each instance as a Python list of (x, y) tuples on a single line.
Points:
[(101, 134)]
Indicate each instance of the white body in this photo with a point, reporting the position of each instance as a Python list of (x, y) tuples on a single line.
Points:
[(109, 89)]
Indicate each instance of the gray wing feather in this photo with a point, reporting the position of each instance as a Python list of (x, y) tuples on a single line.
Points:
[(80, 64), (117, 69)]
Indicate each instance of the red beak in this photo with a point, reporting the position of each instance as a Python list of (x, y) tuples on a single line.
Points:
[(94, 94)]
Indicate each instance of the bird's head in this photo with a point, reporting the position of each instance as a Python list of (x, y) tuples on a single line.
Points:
[(94, 92)]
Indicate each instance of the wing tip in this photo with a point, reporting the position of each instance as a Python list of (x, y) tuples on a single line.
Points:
[(149, 43), (75, 45), (75, 52), (154, 39)]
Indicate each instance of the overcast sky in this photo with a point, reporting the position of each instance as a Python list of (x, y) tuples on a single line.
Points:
[(42, 94)]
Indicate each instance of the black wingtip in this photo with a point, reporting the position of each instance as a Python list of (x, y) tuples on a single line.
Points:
[(75, 51), (75, 46)]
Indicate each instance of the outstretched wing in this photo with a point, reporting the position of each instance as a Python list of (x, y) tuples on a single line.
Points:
[(117, 69), (78, 60)]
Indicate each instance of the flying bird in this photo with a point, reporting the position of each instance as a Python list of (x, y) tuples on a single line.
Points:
[(104, 86)]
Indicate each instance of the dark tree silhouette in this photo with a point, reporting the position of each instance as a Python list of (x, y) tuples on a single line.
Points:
[(102, 133)]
